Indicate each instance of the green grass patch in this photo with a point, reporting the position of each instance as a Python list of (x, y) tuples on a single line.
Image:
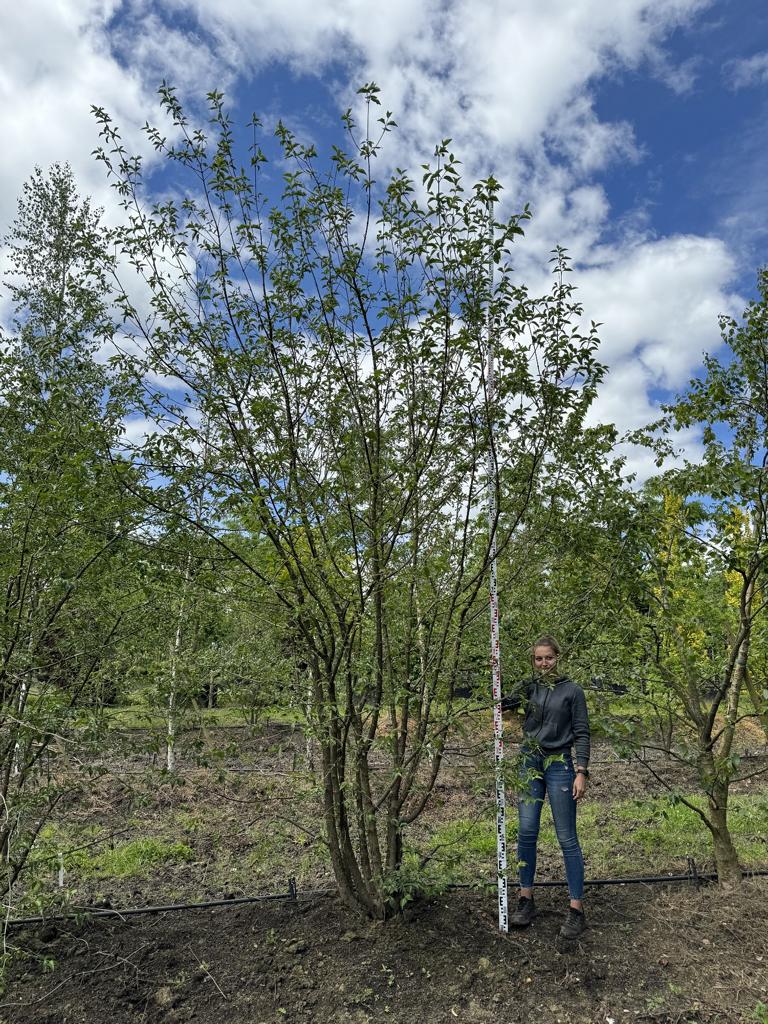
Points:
[(91, 857), (665, 826), (192, 823), (143, 716), (138, 858), (632, 837)]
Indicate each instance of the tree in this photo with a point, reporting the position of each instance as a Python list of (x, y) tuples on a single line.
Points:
[(64, 522), (567, 569), (706, 562), (735, 396), (201, 637), (331, 340)]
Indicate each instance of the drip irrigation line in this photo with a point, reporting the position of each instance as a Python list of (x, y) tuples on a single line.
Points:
[(290, 772), (292, 895), (693, 876)]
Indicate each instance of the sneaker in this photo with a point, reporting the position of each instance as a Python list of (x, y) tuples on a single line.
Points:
[(574, 924), (525, 913)]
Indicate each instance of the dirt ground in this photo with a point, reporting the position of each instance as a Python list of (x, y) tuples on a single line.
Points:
[(666, 954)]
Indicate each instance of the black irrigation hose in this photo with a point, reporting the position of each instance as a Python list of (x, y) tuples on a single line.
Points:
[(161, 909), (457, 752), (693, 876)]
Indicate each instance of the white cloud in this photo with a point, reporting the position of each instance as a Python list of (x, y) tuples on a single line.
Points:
[(659, 303), (748, 71), (512, 86), (58, 60), (511, 83), (56, 63), (509, 77), (136, 430), (681, 78)]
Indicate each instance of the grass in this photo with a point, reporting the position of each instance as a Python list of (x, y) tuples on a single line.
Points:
[(632, 837), (248, 835), (666, 826), (88, 858), (267, 855), (138, 858), (141, 716)]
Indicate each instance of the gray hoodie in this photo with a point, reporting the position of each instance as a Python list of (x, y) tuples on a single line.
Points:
[(555, 716)]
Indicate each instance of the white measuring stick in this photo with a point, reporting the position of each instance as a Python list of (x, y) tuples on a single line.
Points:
[(498, 737)]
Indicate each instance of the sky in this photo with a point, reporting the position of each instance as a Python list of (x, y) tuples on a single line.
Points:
[(636, 130)]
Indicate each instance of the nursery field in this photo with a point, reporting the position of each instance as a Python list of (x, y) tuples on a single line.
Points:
[(242, 817), (273, 441)]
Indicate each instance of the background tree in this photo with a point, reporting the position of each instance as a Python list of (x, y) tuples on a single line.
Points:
[(706, 550), (65, 523)]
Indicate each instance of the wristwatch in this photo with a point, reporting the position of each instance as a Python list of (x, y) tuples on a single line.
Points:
[(582, 771)]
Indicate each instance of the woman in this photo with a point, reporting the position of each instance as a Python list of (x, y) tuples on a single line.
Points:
[(555, 721)]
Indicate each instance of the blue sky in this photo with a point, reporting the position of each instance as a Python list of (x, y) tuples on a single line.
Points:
[(704, 143), (637, 130)]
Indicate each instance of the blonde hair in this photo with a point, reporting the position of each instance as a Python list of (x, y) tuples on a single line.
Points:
[(546, 641)]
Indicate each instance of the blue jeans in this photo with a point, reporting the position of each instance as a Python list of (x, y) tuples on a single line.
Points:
[(556, 780)]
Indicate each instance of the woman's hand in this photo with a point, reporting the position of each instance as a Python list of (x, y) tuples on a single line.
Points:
[(579, 786)]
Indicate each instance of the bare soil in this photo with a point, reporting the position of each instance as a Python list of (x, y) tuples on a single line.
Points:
[(666, 955)]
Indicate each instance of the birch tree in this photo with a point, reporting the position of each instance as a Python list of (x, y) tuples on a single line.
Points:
[(64, 522)]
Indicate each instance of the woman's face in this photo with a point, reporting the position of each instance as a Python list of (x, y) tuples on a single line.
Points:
[(544, 660)]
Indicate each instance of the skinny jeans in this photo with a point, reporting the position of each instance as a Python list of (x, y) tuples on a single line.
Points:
[(554, 779)]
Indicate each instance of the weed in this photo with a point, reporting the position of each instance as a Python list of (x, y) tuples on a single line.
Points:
[(138, 858), (654, 1003), (190, 823), (362, 997)]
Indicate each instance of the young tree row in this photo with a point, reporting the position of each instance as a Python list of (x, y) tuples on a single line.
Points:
[(303, 510)]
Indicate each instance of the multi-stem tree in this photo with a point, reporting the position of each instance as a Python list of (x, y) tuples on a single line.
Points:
[(332, 341)]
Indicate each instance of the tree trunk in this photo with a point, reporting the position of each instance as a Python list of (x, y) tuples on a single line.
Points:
[(666, 731), (716, 787), (170, 722), (171, 716), (726, 858), (309, 748), (717, 780)]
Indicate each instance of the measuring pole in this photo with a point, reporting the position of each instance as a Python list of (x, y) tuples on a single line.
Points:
[(498, 738)]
